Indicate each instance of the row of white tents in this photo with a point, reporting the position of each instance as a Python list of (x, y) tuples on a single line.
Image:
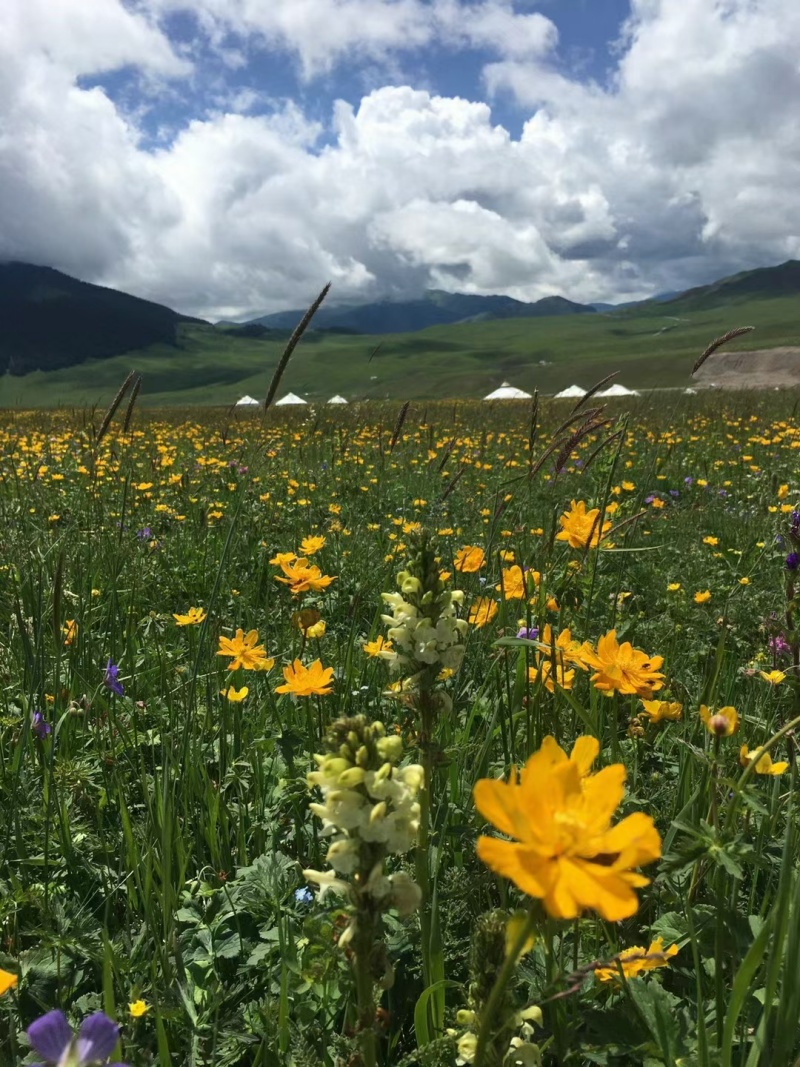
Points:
[(504, 392)]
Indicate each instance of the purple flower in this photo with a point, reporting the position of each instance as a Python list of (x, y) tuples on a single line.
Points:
[(111, 679), (530, 634), (39, 726), (303, 895), (52, 1038), (688, 481), (650, 499), (144, 534), (792, 561), (674, 493), (779, 646)]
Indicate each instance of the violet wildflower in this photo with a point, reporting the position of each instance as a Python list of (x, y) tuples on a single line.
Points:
[(144, 534), (52, 1038), (39, 726), (792, 561), (111, 679), (529, 633), (303, 895)]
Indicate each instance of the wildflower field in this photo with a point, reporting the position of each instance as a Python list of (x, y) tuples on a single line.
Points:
[(453, 734)]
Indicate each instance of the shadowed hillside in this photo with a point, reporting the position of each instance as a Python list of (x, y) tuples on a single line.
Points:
[(50, 320)]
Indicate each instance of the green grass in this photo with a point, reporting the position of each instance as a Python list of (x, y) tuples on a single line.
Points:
[(152, 844), (649, 348)]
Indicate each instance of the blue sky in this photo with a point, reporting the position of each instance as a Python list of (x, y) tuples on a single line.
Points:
[(228, 157)]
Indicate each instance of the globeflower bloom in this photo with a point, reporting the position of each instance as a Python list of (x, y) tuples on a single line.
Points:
[(773, 677), (70, 631), (303, 577), (482, 612), (314, 680), (582, 528), (469, 559), (662, 710), (380, 644), (310, 545), (246, 652), (193, 617), (720, 723), (565, 851), (622, 667), (764, 764), (637, 960)]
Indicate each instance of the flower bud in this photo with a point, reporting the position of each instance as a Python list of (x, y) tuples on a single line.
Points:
[(351, 778)]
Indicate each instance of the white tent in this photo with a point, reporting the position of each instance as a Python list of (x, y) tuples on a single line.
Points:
[(572, 392), (617, 390), (337, 400), (508, 392), (247, 402), (689, 391), (290, 398)]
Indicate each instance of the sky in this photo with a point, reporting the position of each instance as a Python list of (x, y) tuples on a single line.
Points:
[(229, 157)]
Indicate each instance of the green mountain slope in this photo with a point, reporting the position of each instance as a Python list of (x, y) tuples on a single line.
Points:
[(436, 308), (208, 366), (51, 320)]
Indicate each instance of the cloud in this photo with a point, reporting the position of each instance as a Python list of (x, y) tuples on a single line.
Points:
[(685, 167)]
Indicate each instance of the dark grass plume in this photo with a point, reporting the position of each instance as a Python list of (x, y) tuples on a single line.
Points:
[(137, 385), (590, 426), (398, 426), (718, 343), (597, 386), (115, 403), (299, 330), (534, 424), (374, 352)]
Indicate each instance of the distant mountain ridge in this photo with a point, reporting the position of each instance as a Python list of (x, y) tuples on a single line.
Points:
[(51, 320), (435, 308)]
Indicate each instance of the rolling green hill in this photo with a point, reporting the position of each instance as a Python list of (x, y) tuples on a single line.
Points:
[(649, 348)]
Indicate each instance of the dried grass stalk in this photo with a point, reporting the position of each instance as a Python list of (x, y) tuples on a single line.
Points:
[(599, 385), (115, 403), (137, 385), (401, 418), (299, 330), (720, 341)]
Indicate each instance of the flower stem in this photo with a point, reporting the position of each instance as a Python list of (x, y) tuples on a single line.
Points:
[(365, 988), (488, 1022)]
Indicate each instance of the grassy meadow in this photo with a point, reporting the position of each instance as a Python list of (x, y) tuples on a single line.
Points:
[(651, 347), (194, 605)]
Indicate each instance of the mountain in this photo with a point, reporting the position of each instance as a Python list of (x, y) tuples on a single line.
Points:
[(51, 320), (435, 308), (764, 283)]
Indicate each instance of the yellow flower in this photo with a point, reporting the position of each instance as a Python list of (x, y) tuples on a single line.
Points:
[(192, 617), (720, 723), (316, 630), (581, 528), (634, 961), (144, 485), (302, 577), (744, 581), (673, 587), (622, 667), (773, 677), (469, 559), (138, 1008), (380, 644), (702, 596), (513, 585), (7, 981), (628, 487), (282, 557), (565, 851), (783, 492), (714, 541), (482, 612), (764, 765), (236, 696), (543, 673), (662, 710), (246, 652), (307, 681), (310, 545), (70, 631)]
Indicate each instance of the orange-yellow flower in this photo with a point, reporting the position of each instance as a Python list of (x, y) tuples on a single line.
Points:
[(380, 644), (582, 528), (234, 695), (662, 710), (773, 677), (635, 961), (246, 652), (513, 584), (469, 559), (310, 545), (301, 576), (193, 617), (622, 667), (565, 850), (543, 673), (282, 557), (482, 612), (702, 596), (720, 723), (307, 681), (764, 764), (7, 981), (70, 631)]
